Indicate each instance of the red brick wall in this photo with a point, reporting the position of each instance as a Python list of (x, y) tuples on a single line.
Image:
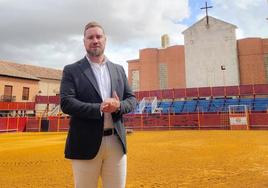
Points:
[(251, 61), (174, 58), (148, 64)]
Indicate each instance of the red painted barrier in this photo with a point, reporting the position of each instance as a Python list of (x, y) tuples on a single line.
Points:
[(33, 124), (58, 123), (54, 100), (204, 92), (214, 121), (10, 124), (218, 91), (258, 121), (239, 90), (168, 94), (179, 93), (17, 105), (192, 92), (246, 90), (261, 89), (42, 99), (3, 124), (140, 122), (184, 121), (64, 124), (156, 93)]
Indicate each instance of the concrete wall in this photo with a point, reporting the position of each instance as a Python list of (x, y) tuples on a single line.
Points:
[(49, 87), (206, 50)]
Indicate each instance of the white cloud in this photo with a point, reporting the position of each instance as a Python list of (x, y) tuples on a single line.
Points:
[(49, 33), (248, 15)]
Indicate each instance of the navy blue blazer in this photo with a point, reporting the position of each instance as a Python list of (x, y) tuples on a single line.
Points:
[(80, 98)]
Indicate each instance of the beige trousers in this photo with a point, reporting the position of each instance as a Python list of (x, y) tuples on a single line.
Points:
[(110, 164)]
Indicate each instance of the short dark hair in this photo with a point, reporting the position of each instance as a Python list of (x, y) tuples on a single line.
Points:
[(93, 24)]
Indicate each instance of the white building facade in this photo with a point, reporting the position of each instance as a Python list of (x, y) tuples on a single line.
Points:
[(211, 54)]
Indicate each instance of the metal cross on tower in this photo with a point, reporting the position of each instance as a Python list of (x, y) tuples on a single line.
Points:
[(206, 7)]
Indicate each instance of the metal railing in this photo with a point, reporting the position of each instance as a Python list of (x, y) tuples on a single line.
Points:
[(8, 98)]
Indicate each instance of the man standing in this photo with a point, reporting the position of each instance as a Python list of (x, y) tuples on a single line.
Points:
[(95, 93)]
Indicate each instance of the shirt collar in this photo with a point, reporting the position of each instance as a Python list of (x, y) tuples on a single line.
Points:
[(97, 64)]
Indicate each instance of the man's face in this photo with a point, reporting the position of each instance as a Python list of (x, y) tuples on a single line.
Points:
[(94, 41)]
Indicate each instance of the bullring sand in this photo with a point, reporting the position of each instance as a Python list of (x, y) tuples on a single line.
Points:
[(155, 159)]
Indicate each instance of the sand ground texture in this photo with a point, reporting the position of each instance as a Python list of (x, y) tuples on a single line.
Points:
[(155, 159)]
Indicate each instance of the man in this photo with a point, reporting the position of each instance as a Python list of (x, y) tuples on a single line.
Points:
[(95, 93)]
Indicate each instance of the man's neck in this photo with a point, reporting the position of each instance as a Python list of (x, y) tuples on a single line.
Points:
[(99, 59)]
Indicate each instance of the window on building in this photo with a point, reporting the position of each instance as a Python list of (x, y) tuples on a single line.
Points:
[(135, 80), (7, 93), (25, 93), (163, 76)]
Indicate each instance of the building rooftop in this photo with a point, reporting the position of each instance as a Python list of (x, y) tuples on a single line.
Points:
[(29, 71), (7, 70)]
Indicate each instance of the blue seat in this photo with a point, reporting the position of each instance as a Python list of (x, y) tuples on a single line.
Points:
[(177, 106)]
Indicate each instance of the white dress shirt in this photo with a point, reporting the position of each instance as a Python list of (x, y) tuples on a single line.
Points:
[(103, 78)]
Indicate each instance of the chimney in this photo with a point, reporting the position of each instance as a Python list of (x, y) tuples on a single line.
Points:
[(165, 41)]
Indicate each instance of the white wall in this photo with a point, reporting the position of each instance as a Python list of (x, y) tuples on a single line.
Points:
[(206, 50)]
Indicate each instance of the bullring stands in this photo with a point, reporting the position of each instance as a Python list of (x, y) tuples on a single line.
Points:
[(214, 99)]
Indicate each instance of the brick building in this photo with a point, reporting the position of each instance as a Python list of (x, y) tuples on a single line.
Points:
[(253, 60), (158, 69), (211, 56)]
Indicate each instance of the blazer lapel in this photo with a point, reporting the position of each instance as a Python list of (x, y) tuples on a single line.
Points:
[(113, 76), (87, 70)]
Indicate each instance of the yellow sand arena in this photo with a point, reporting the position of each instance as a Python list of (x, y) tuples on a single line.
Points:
[(155, 159)]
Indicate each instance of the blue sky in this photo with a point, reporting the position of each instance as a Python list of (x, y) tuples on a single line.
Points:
[(50, 33), (195, 10)]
